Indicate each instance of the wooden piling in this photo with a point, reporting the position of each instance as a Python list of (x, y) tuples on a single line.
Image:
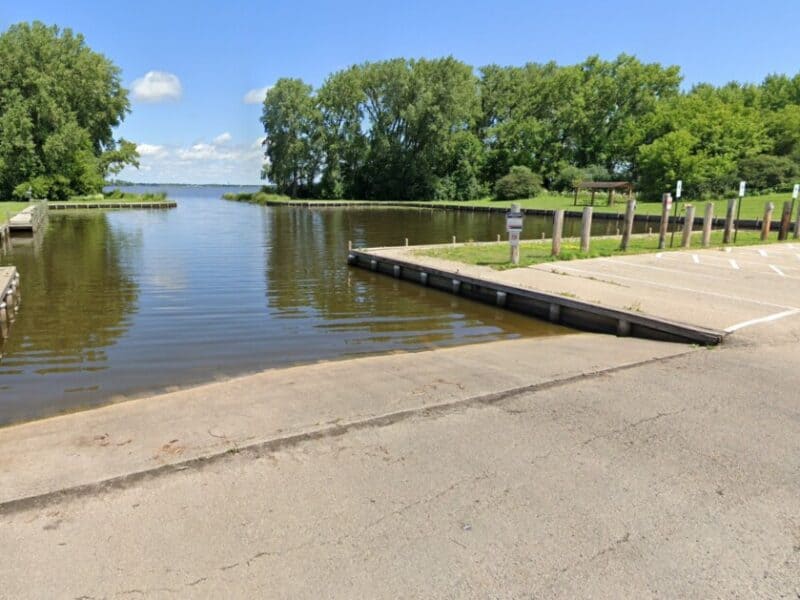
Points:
[(769, 207), (708, 222), (558, 230), (586, 229), (797, 223), (729, 216), (786, 221), (630, 213), (688, 226)]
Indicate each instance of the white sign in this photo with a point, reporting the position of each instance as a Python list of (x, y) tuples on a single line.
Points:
[(679, 188), (513, 237), (513, 222), (795, 191), (742, 185)]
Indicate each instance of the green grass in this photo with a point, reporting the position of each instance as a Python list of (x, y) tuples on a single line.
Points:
[(118, 196), (9, 209), (752, 207), (497, 255)]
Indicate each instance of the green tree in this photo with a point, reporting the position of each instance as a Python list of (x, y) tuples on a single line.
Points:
[(59, 104), (292, 122), (519, 183)]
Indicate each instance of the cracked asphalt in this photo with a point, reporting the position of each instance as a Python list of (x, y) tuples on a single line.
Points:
[(677, 478)]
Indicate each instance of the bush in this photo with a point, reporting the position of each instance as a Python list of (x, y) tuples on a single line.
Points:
[(520, 183)]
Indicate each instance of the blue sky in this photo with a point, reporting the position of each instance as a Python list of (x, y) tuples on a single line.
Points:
[(193, 124)]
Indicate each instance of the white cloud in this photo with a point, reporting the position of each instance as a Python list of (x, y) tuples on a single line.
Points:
[(256, 96), (157, 86), (223, 138), (150, 150), (219, 161)]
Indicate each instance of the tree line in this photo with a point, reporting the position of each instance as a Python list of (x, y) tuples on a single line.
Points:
[(439, 129), (59, 103)]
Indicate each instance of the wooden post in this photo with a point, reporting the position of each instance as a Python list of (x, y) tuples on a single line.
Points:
[(630, 212), (797, 223), (666, 203), (498, 237), (729, 216), (593, 190), (454, 240), (786, 220), (575, 202), (586, 229), (688, 226), (708, 222), (558, 229), (767, 225)]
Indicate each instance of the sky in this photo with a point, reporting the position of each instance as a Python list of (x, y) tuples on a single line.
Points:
[(197, 71)]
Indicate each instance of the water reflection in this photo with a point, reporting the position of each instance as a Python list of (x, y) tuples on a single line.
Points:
[(130, 302), (78, 299)]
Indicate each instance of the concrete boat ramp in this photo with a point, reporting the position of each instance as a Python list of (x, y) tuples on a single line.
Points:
[(696, 296)]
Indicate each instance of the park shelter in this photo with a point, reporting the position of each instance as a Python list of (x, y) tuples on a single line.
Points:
[(610, 186)]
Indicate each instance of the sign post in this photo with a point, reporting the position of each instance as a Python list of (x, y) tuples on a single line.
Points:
[(742, 188), (795, 193), (666, 205), (514, 229)]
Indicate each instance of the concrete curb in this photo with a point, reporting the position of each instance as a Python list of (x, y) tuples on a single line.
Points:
[(555, 308), (265, 447)]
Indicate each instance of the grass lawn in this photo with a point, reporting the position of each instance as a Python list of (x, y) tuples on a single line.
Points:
[(496, 255), (9, 209), (118, 197), (752, 207)]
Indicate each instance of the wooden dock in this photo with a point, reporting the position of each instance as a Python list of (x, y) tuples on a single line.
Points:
[(29, 219), (93, 205), (9, 298)]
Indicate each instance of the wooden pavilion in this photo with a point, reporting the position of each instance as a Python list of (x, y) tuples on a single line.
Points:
[(610, 186)]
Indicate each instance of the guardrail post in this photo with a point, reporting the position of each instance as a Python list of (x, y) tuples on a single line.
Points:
[(708, 221), (630, 212), (688, 226), (767, 225), (558, 229), (586, 229)]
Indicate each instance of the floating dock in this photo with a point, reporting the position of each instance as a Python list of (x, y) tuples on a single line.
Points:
[(553, 307), (85, 205), (29, 219), (9, 298)]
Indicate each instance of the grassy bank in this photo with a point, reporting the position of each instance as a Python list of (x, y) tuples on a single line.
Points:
[(752, 207), (496, 255), (118, 196), (9, 209)]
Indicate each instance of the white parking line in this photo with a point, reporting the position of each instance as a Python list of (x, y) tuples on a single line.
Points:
[(661, 255), (597, 274), (763, 253), (696, 259), (777, 270), (767, 319), (734, 264)]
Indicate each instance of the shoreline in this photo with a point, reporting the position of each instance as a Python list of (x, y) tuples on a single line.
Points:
[(156, 433)]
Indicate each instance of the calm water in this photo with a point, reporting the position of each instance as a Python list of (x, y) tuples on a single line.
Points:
[(123, 303)]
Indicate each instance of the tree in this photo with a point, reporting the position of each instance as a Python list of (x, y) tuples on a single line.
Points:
[(292, 123), (520, 183), (59, 104), (767, 171)]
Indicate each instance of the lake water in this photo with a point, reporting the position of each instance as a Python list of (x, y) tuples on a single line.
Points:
[(118, 304)]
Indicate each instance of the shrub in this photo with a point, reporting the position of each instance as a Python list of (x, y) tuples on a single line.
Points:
[(520, 183)]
